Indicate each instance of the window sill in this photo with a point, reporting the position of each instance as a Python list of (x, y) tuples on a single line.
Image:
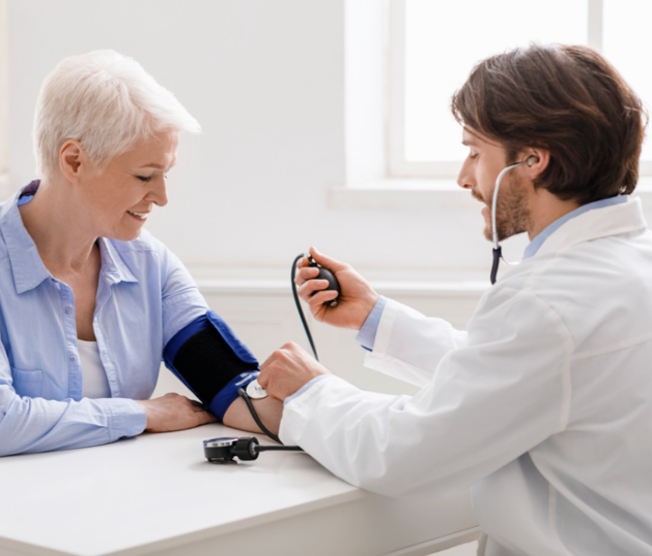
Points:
[(423, 195), (409, 194)]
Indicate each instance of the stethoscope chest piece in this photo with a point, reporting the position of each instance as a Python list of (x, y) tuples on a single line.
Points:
[(255, 391)]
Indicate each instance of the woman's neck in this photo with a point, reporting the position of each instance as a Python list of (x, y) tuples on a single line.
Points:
[(58, 228)]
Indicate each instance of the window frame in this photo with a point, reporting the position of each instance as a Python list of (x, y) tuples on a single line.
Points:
[(397, 165)]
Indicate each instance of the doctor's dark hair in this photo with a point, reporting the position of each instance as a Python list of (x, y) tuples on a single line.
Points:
[(568, 100)]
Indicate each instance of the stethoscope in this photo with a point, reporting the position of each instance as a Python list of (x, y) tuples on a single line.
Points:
[(497, 251)]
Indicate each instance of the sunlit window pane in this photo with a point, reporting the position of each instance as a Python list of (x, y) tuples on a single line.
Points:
[(445, 39), (627, 43)]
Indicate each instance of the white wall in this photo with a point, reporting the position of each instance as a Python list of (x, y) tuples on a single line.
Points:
[(265, 78)]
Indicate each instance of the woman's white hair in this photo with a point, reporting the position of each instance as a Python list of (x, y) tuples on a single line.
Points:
[(107, 102)]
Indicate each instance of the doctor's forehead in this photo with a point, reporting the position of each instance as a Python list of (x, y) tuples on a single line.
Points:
[(469, 138), (472, 138)]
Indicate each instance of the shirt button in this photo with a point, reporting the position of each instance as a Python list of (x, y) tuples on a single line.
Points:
[(73, 358), (68, 310)]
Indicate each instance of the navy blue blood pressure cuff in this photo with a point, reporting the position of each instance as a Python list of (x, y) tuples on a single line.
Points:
[(210, 360)]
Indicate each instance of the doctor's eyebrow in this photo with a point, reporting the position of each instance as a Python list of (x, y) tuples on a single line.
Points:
[(472, 141)]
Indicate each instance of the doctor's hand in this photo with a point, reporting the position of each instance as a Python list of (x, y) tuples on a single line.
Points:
[(356, 300), (173, 412), (287, 370)]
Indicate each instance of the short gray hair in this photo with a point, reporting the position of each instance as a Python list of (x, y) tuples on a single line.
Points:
[(107, 102)]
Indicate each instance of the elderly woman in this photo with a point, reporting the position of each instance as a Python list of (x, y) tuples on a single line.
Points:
[(88, 299)]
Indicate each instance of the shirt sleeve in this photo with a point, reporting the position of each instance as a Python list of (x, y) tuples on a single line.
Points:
[(38, 425), (367, 335), (486, 404), (182, 301)]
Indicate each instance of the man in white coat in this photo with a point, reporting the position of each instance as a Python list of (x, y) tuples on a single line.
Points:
[(544, 405)]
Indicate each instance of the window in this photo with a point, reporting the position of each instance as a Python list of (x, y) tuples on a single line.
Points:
[(433, 46)]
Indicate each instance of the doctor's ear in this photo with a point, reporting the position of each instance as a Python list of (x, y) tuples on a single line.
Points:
[(537, 161)]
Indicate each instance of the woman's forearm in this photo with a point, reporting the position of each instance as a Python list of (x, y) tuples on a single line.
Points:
[(270, 411)]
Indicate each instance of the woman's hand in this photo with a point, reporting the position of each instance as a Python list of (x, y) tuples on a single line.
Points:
[(173, 412), (356, 300)]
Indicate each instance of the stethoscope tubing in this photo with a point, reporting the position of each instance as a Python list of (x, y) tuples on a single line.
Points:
[(499, 179), (497, 250)]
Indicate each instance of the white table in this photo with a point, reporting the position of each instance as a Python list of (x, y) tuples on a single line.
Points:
[(156, 494)]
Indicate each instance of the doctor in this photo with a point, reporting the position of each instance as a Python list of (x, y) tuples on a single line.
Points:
[(544, 406)]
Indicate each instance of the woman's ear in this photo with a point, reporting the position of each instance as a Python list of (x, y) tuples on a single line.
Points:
[(72, 160)]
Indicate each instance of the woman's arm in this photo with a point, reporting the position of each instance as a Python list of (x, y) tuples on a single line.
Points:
[(269, 410), (35, 424)]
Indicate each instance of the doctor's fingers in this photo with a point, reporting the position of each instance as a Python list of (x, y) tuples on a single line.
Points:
[(310, 288), (304, 274), (281, 361), (316, 303), (331, 264), (271, 375)]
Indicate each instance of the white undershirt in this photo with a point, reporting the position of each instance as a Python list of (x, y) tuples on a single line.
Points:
[(94, 381)]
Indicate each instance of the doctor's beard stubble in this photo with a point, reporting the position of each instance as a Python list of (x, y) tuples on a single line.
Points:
[(512, 210)]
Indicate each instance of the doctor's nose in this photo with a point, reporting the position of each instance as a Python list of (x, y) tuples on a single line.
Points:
[(465, 177)]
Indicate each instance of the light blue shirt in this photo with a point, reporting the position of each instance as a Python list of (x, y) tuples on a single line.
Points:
[(144, 296), (537, 242)]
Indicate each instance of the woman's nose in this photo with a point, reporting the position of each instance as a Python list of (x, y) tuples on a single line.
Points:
[(158, 193)]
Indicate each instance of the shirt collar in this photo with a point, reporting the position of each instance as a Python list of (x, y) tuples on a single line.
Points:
[(538, 241), (113, 267), (27, 267)]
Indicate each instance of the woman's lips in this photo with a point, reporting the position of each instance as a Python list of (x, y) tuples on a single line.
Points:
[(140, 216)]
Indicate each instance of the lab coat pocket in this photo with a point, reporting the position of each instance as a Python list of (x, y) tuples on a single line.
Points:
[(27, 383)]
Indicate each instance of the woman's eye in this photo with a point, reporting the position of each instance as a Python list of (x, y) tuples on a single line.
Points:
[(473, 155), (144, 178)]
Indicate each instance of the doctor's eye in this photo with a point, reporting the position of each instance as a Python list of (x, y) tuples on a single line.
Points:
[(144, 178)]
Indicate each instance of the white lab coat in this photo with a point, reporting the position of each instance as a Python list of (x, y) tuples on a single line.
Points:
[(544, 406)]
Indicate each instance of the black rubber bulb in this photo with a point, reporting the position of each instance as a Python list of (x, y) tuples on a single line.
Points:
[(325, 274), (245, 448)]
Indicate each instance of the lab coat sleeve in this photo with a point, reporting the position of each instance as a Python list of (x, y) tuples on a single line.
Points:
[(409, 346), (504, 392), (30, 425)]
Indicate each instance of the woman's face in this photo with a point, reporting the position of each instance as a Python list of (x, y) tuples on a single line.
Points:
[(119, 197)]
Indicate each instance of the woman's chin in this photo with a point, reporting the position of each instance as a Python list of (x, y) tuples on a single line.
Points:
[(125, 235)]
